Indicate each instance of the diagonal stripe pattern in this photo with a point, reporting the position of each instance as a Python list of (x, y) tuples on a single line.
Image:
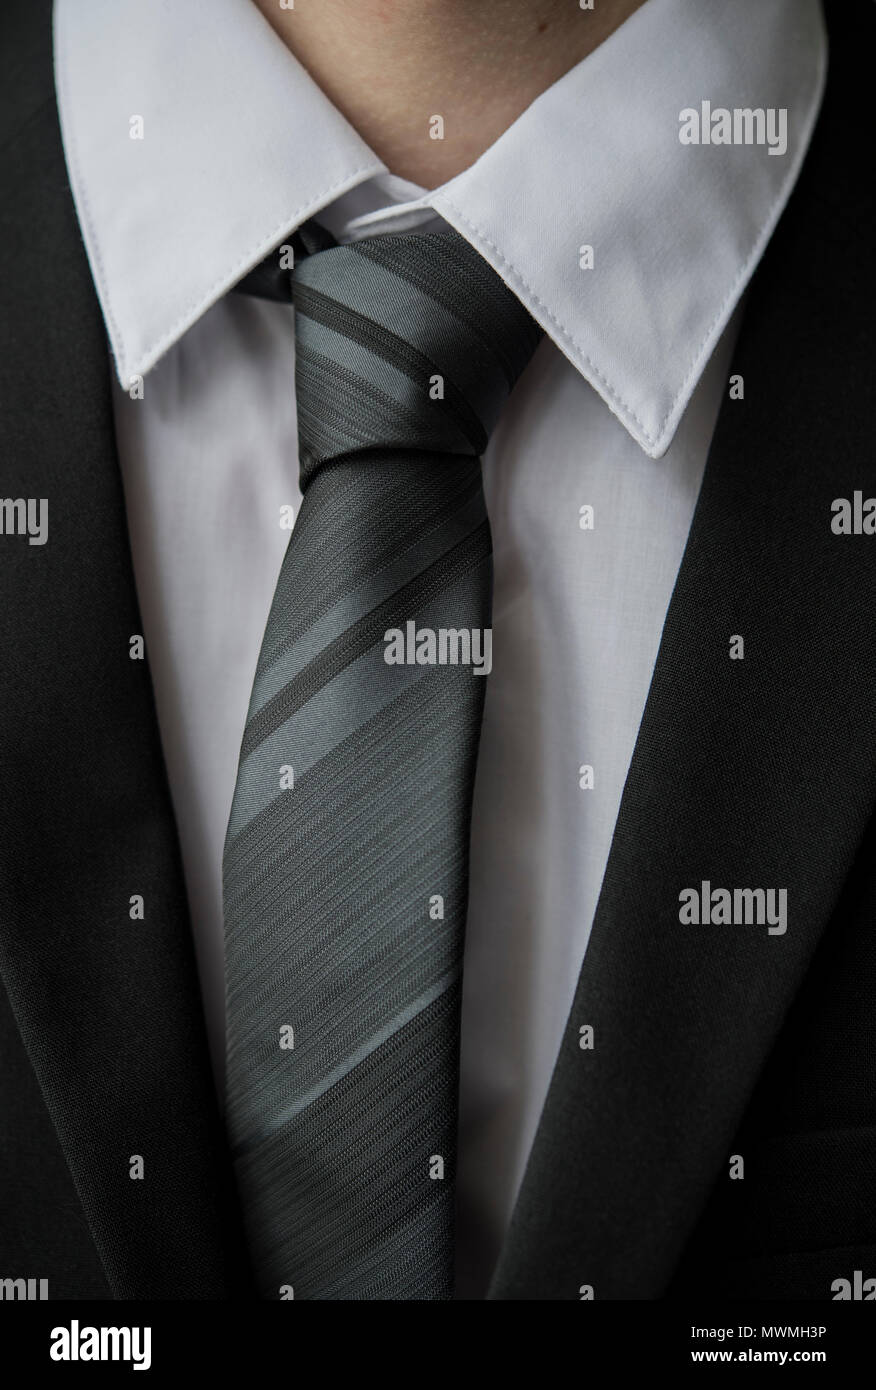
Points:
[(346, 858)]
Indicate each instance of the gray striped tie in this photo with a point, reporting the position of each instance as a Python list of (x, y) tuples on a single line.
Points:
[(346, 858)]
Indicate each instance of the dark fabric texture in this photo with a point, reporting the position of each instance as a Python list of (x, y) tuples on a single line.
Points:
[(329, 882), (759, 772), (107, 1008)]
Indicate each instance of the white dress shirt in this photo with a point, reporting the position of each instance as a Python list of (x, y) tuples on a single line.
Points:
[(615, 412)]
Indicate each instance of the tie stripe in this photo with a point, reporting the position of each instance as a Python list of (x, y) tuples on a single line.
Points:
[(351, 327), (510, 342), (337, 565), (355, 640), (344, 1140)]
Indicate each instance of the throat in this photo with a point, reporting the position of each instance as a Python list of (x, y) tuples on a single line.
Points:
[(430, 86)]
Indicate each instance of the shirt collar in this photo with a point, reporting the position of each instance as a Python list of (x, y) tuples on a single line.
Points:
[(240, 147)]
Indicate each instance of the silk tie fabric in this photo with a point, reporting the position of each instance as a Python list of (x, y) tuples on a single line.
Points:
[(346, 857)]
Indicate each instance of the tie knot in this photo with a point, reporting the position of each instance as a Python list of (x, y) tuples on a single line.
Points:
[(403, 342)]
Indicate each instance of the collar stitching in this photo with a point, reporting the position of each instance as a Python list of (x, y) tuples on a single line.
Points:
[(560, 327), (761, 239), (71, 147), (286, 226)]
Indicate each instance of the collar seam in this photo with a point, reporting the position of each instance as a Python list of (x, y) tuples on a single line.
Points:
[(564, 333), (761, 240), (71, 147), (732, 296), (287, 224)]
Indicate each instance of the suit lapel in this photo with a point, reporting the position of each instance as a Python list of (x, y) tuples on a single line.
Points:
[(756, 773), (108, 1007)]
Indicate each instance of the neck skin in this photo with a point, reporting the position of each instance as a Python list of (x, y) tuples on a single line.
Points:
[(391, 66)]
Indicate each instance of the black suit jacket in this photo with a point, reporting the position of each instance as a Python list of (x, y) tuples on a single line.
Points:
[(711, 1041)]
